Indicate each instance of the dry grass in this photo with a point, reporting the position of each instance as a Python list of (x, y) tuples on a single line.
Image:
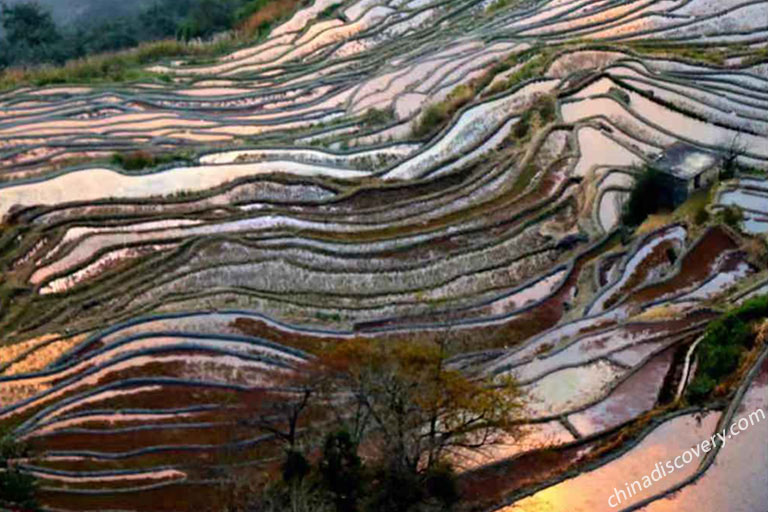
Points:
[(654, 222), (41, 358), (9, 353), (266, 16), (655, 313)]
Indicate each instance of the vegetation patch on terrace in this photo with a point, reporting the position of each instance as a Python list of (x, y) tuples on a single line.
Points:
[(730, 344), (48, 57)]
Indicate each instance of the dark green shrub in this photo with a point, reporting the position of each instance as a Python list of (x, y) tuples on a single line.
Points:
[(329, 12), (434, 116), (437, 114), (17, 489), (546, 105), (375, 116), (341, 470), (295, 466), (620, 94), (725, 342), (701, 387), (441, 485), (137, 160), (648, 196), (718, 359), (395, 490), (732, 216), (701, 217), (134, 160)]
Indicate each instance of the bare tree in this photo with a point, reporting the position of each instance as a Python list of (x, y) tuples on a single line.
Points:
[(410, 407), (733, 150)]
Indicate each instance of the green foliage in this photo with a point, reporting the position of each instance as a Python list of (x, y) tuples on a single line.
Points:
[(531, 69), (727, 173), (498, 5), (731, 216), (620, 94), (724, 344), (137, 160), (133, 161), (707, 54), (542, 111), (340, 481), (207, 17), (17, 489), (10, 449), (33, 39), (328, 317), (648, 196), (701, 216), (30, 35), (758, 56), (701, 388), (437, 114), (28, 24), (330, 11), (375, 116)]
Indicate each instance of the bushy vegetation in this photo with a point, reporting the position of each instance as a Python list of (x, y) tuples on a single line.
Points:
[(499, 5), (543, 111), (725, 343), (330, 11), (703, 53), (137, 160), (17, 489), (437, 114), (648, 196), (376, 116), (257, 17), (531, 69), (757, 56), (731, 216), (398, 404), (95, 52)]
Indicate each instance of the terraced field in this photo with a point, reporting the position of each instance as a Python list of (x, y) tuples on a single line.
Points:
[(308, 197)]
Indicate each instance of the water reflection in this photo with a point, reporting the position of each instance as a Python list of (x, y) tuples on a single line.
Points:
[(589, 492)]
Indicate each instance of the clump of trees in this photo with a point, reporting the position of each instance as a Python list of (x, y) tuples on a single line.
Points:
[(649, 195), (531, 69), (137, 160), (17, 489), (437, 114), (376, 116), (376, 426), (726, 342), (32, 37), (542, 111)]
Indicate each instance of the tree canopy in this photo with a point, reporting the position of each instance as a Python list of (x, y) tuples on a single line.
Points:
[(31, 35), (392, 418)]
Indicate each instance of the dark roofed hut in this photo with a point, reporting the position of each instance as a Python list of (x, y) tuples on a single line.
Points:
[(686, 169)]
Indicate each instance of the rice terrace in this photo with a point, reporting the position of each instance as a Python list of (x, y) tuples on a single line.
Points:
[(384, 256)]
